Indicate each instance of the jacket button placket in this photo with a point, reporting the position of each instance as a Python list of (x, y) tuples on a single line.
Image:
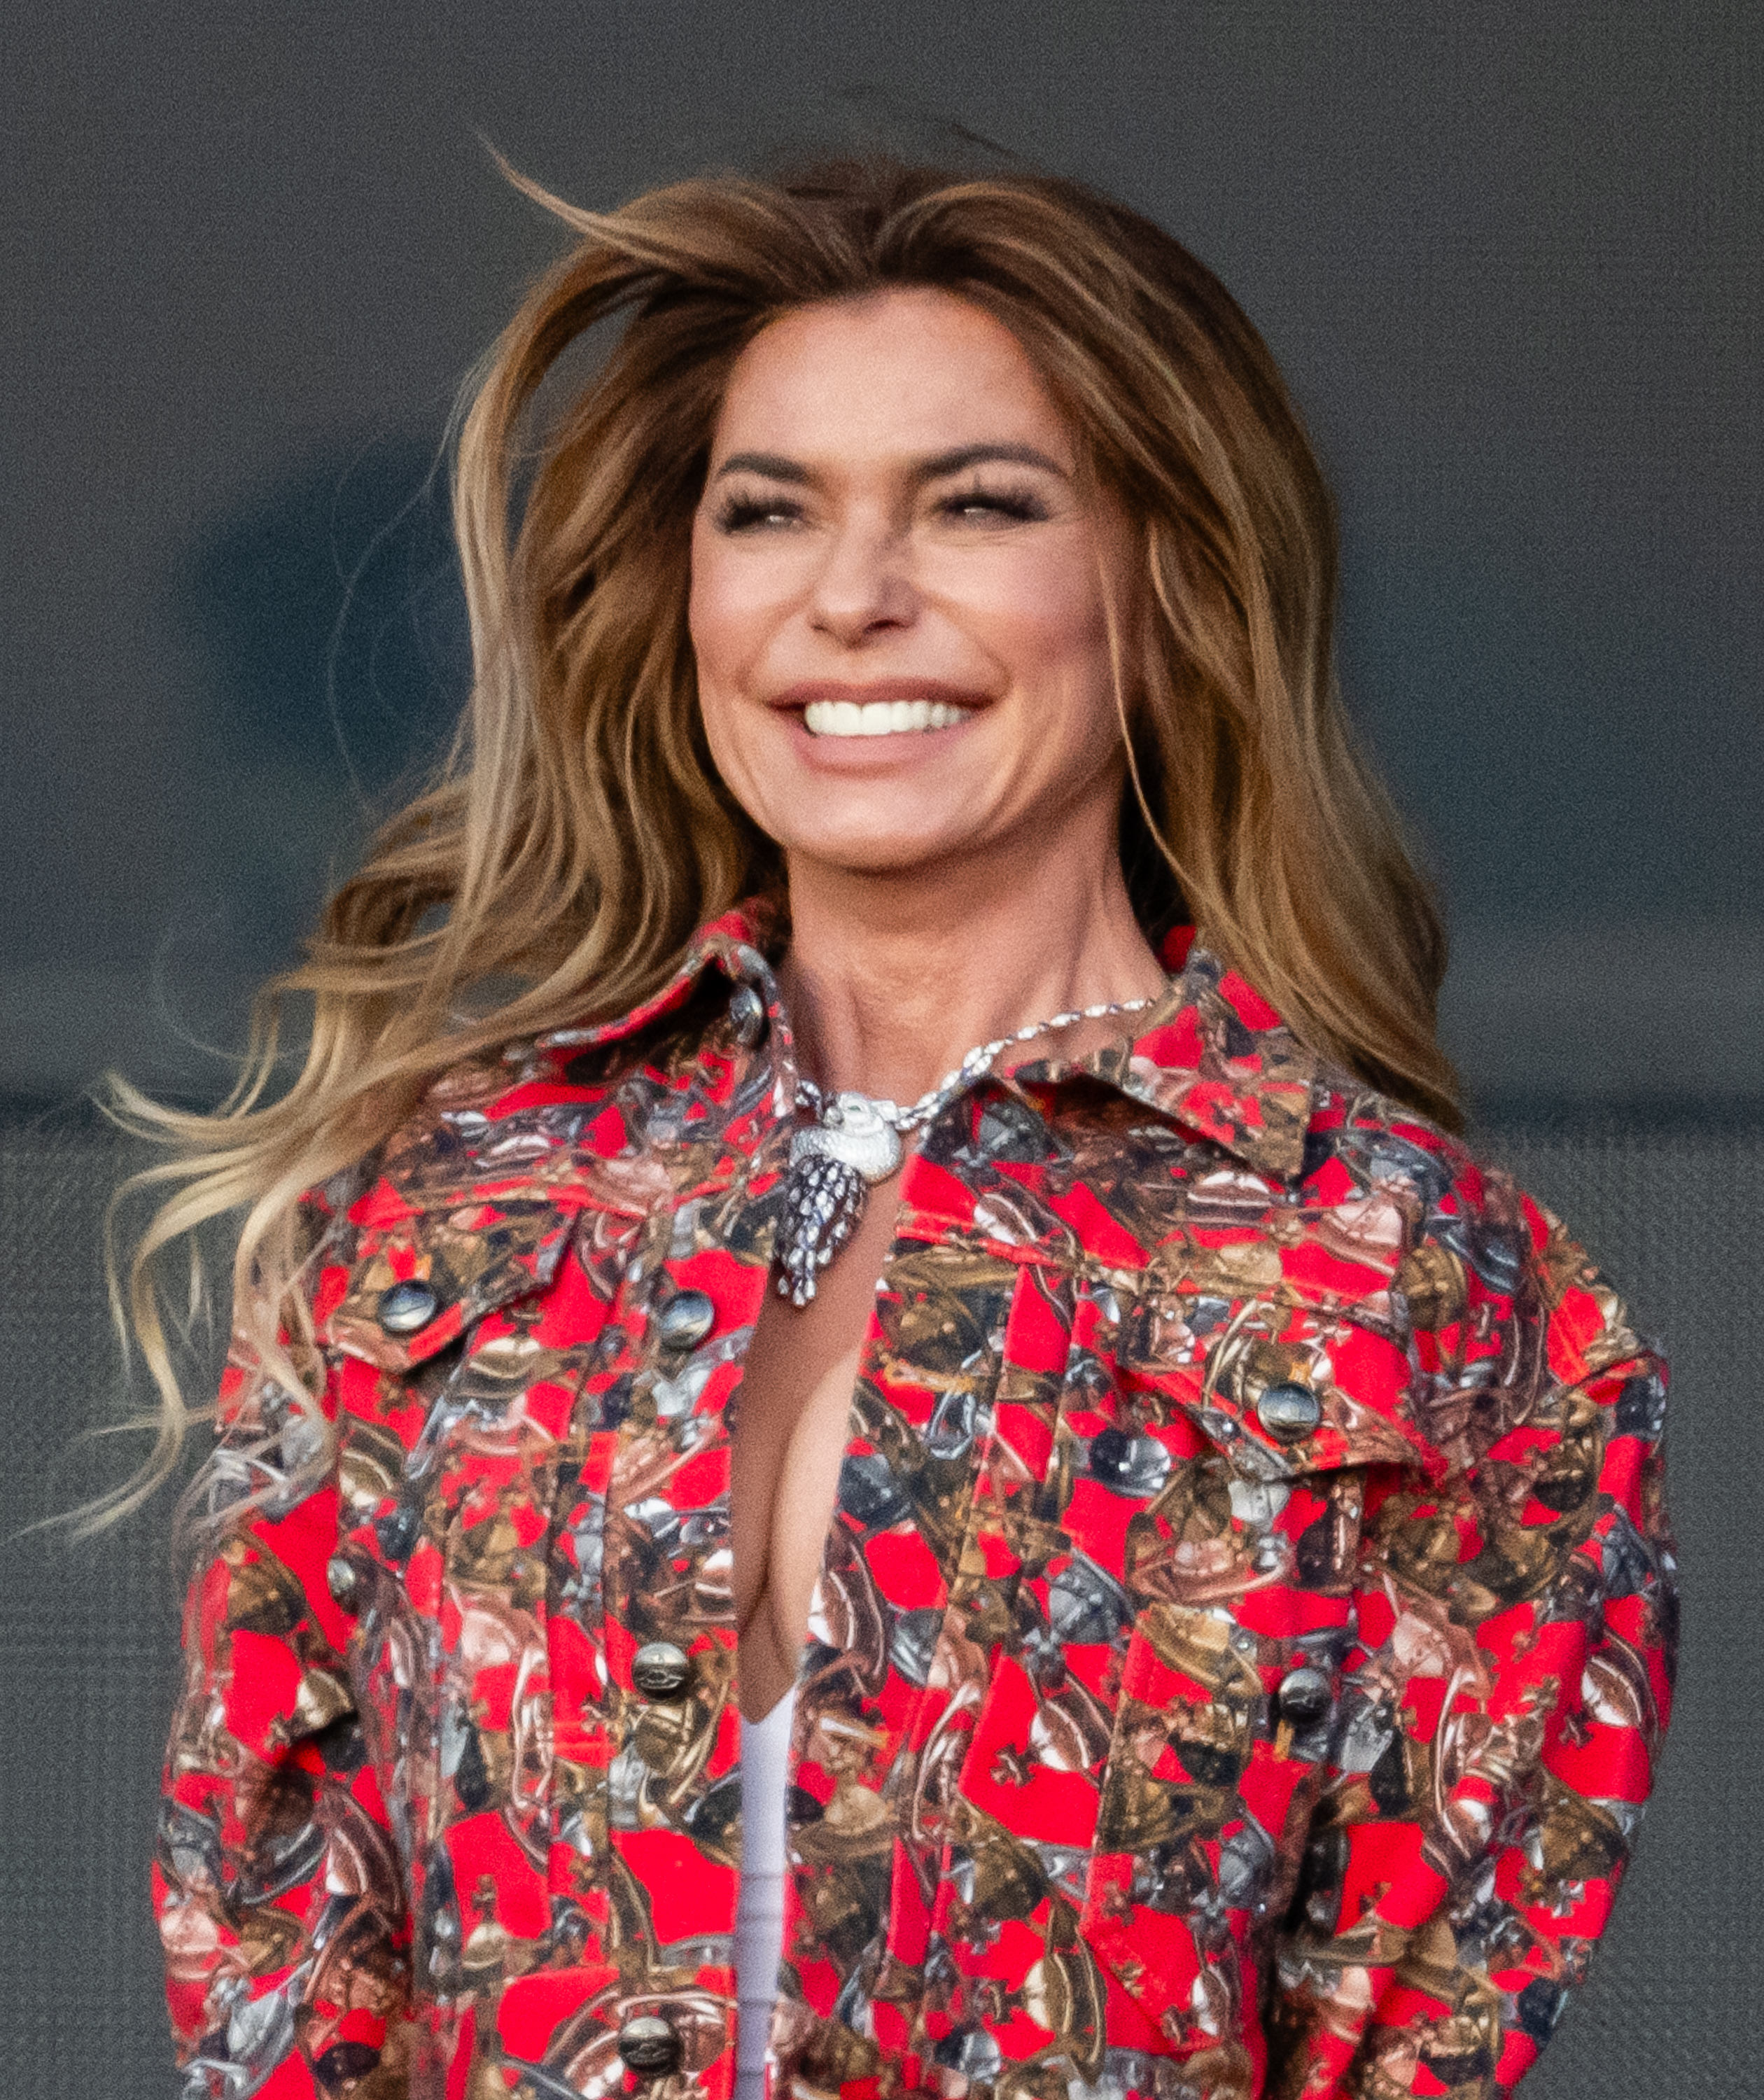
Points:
[(684, 1321), (650, 2045), (661, 1670), (1305, 1697)]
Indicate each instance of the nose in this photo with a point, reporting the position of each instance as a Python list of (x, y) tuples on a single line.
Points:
[(864, 587)]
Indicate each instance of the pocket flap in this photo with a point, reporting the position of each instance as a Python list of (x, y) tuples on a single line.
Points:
[(1283, 1389), (456, 1265)]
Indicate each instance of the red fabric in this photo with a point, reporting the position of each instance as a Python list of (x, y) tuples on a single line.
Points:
[(422, 1830)]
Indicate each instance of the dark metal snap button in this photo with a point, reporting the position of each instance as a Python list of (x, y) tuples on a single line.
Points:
[(684, 1321), (649, 2044), (1305, 1696), (1288, 1412), (746, 1015), (406, 1307), (660, 1670), (342, 1579), (398, 1530)]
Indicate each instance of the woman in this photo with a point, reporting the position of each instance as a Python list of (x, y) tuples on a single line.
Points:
[(1141, 1572)]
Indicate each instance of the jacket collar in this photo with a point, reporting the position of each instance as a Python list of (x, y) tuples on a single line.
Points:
[(1212, 1054), (732, 943)]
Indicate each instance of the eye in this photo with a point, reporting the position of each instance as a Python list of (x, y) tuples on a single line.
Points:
[(746, 513), (1020, 505)]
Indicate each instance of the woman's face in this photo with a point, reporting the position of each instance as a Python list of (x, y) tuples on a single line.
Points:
[(899, 594)]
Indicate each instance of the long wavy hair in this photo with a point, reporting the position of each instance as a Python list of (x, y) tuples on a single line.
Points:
[(578, 832)]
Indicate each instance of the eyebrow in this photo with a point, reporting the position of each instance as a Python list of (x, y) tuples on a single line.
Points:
[(936, 467)]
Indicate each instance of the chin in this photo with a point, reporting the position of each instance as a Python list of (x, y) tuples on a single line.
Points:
[(893, 852), (878, 833)]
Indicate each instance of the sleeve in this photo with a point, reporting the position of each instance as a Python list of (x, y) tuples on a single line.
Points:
[(1504, 1702), (276, 1882)]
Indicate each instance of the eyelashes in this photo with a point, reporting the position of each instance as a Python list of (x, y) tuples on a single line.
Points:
[(1023, 506), (741, 514)]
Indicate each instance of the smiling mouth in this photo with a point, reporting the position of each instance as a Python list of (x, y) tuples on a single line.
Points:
[(881, 717)]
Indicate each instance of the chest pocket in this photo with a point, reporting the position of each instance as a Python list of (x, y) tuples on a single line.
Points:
[(422, 1278)]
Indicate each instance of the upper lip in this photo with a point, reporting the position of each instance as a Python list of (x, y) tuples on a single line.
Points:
[(810, 690)]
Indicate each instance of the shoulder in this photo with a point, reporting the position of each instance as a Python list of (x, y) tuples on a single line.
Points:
[(1362, 1146), (1498, 1303), (496, 1122)]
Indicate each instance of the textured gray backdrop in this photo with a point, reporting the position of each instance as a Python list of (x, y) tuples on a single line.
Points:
[(1509, 257)]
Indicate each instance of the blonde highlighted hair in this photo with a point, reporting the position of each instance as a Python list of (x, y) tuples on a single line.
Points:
[(579, 832)]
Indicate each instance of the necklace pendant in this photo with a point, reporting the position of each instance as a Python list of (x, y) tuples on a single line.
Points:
[(851, 1130), (832, 1164)]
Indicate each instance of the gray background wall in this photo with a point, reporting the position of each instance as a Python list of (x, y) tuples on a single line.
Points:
[(1509, 257)]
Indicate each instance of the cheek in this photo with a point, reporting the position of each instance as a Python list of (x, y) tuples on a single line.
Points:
[(713, 628), (739, 598), (1043, 616), (727, 630), (1049, 623), (720, 624), (712, 615)]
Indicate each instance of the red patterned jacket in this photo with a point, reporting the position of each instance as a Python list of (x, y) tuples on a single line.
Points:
[(1240, 1649)]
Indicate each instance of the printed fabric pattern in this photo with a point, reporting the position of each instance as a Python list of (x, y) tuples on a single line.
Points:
[(1241, 1650)]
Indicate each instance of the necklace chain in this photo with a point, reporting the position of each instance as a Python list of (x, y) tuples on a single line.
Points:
[(855, 1141), (977, 1062)]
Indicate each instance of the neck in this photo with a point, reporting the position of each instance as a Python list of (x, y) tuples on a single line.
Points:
[(892, 978)]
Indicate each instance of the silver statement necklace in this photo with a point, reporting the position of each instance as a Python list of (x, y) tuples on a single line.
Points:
[(855, 1141)]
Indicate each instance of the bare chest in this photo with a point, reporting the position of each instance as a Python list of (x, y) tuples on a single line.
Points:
[(792, 1418)]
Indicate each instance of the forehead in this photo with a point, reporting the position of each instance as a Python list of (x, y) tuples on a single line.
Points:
[(898, 373)]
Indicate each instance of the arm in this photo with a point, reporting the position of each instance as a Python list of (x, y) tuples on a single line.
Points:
[(1505, 1700), (276, 1882)]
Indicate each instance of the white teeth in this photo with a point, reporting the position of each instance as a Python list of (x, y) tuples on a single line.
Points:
[(878, 717)]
